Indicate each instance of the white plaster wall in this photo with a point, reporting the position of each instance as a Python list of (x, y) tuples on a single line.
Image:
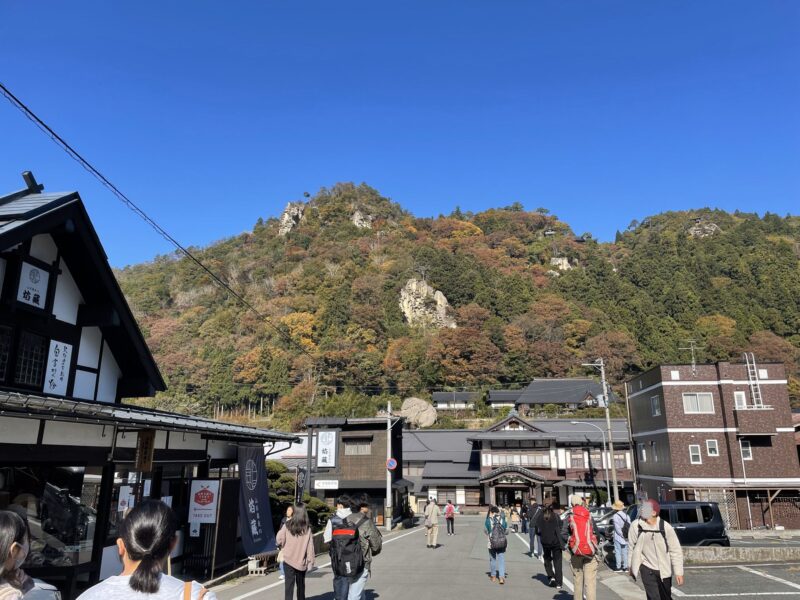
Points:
[(126, 439), (77, 434), (84, 385), (109, 376), (186, 441), (44, 248), (161, 440), (68, 297), (89, 351), (18, 431)]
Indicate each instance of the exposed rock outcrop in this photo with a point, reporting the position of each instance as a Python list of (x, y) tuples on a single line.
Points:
[(361, 220), (418, 412), (422, 305), (291, 217), (561, 263), (704, 229)]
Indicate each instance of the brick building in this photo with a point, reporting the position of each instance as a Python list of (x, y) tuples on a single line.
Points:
[(720, 432)]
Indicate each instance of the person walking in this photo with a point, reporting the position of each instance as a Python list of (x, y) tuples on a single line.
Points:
[(515, 519), (341, 583), (656, 553), (495, 527), (621, 522), (297, 543), (432, 513), (371, 542), (534, 514), (582, 536), (286, 517), (450, 517), (552, 540), (147, 536), (15, 544), (523, 513)]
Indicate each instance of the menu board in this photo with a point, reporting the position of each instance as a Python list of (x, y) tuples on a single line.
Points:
[(58, 362)]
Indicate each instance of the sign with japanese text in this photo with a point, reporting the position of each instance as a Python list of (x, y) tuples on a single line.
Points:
[(326, 449), (57, 373), (145, 448), (33, 285), (203, 500), (326, 484), (255, 515)]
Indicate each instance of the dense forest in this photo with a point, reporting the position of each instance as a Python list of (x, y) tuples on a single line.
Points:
[(530, 298)]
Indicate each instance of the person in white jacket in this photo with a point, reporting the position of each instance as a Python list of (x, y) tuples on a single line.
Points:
[(655, 552)]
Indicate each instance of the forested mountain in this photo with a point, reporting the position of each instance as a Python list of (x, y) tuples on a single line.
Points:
[(529, 299)]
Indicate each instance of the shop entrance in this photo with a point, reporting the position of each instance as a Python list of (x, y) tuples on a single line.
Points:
[(509, 496)]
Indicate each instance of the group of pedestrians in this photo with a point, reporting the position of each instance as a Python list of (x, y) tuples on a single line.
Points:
[(431, 513), (646, 548)]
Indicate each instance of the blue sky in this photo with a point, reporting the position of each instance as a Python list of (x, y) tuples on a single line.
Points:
[(212, 114)]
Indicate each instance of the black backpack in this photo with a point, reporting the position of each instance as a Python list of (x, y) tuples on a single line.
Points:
[(347, 557), (497, 537), (661, 530), (626, 525)]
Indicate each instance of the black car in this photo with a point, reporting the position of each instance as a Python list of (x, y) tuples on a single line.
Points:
[(695, 523)]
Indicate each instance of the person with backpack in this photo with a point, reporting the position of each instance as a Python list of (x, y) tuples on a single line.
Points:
[(582, 537), (534, 514), (432, 513), (552, 540), (296, 541), (341, 581), (656, 553), (523, 513), (495, 527), (622, 524), (450, 517), (370, 540)]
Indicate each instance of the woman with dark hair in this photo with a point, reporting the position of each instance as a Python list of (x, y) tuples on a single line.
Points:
[(549, 526), (147, 536), (495, 528), (297, 545), (286, 517), (14, 547)]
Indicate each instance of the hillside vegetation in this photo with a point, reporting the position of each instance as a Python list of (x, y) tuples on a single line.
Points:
[(337, 341)]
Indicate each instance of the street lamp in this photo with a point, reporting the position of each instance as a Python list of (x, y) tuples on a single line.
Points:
[(603, 433), (600, 365)]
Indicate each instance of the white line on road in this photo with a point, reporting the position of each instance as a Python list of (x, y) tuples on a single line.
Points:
[(327, 564), (567, 582), (732, 566), (736, 594), (772, 577)]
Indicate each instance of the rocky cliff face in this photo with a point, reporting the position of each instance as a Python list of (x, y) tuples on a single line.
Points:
[(704, 229), (422, 305), (291, 216), (361, 220)]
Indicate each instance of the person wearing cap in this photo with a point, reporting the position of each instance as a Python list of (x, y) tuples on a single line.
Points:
[(656, 553), (619, 520), (584, 567)]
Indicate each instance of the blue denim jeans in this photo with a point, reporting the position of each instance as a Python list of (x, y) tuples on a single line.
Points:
[(357, 586), (536, 541), (497, 564), (341, 587), (621, 555)]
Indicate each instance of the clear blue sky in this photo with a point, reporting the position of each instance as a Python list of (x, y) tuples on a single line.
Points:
[(212, 114)]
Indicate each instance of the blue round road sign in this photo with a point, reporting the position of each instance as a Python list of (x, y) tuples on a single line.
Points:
[(391, 464)]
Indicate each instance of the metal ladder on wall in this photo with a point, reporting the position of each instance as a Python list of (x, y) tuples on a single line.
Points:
[(752, 378)]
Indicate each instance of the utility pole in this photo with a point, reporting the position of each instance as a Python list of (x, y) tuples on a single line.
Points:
[(388, 516), (599, 364)]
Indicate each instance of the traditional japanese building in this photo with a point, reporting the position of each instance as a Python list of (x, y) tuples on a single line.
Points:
[(73, 457)]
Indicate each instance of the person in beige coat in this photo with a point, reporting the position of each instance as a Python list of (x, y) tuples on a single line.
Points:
[(295, 539), (432, 513), (655, 552)]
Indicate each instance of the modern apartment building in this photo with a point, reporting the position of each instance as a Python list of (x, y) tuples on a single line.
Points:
[(720, 432)]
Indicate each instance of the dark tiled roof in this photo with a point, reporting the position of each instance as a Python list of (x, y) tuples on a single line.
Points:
[(447, 470), (512, 469), (455, 397), (561, 391), (503, 396)]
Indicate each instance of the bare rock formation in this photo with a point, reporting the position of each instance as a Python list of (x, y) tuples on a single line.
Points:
[(561, 263), (291, 217), (422, 305), (418, 412), (361, 220), (704, 229)]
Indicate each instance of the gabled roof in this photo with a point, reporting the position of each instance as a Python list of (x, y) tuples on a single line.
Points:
[(514, 470), (29, 212), (438, 444), (503, 396), (513, 416), (455, 396), (566, 390)]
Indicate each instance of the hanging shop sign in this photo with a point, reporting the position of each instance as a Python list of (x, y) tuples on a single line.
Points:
[(326, 449), (33, 285), (145, 448), (203, 500), (58, 362), (255, 515)]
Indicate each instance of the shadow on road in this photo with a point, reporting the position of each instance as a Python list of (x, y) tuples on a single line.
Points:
[(370, 595)]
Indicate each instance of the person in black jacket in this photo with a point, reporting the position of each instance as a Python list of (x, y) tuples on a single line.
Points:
[(553, 542)]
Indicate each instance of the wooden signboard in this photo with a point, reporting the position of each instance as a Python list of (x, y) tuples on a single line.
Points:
[(145, 448)]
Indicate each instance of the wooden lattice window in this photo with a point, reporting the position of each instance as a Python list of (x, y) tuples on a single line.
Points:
[(31, 359)]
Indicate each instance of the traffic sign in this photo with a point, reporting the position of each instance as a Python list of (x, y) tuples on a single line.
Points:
[(391, 464)]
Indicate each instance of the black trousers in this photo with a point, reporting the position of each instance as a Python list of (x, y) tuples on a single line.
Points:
[(655, 587), (451, 525), (552, 564), (294, 576)]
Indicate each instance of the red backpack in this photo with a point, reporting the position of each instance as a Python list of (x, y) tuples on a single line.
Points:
[(582, 540)]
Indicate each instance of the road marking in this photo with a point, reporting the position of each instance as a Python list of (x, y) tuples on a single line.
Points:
[(772, 577), (732, 566), (327, 564), (736, 594), (567, 582)]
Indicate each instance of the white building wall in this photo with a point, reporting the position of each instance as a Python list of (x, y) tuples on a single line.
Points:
[(91, 344), (68, 298), (44, 248), (18, 431), (109, 376)]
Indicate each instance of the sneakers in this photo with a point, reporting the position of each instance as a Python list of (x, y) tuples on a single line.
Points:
[(492, 578), (501, 581), (282, 577)]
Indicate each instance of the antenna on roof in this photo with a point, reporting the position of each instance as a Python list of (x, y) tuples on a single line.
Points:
[(693, 348), (30, 183)]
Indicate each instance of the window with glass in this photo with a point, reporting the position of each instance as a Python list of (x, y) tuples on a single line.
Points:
[(655, 405), (358, 447), (575, 459), (61, 508), (747, 451), (694, 454), (642, 452), (740, 399), (654, 451), (707, 513), (620, 461), (712, 449), (412, 470), (31, 359), (698, 403), (687, 515)]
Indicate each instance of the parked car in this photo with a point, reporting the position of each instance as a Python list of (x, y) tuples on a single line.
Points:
[(695, 523)]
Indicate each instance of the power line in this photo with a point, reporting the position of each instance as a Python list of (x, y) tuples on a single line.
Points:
[(75, 155)]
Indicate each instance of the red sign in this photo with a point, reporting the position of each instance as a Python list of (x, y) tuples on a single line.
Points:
[(204, 497)]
